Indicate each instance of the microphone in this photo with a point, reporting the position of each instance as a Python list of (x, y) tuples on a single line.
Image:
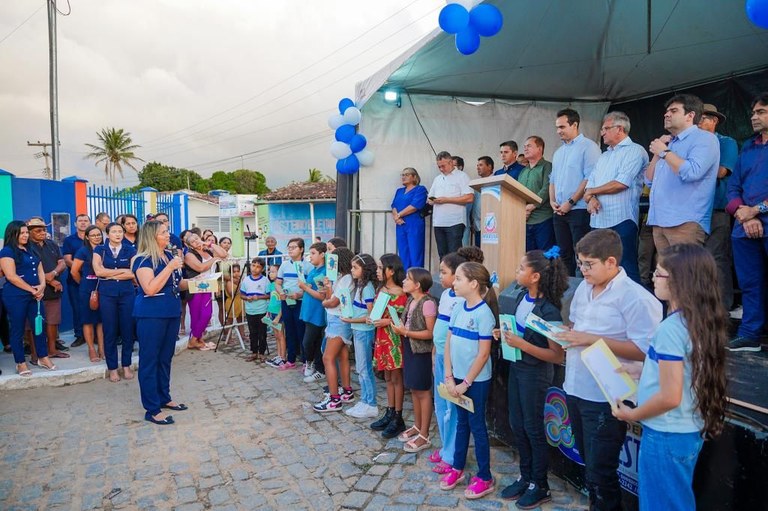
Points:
[(249, 235)]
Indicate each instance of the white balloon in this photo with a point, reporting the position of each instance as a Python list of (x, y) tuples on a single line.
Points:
[(467, 4), (352, 116), (336, 121), (365, 157), (340, 150)]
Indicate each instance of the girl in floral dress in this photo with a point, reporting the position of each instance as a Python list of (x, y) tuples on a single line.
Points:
[(388, 350)]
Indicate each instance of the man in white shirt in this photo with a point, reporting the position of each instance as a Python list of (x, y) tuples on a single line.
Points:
[(449, 194), (607, 305), (614, 187), (484, 169)]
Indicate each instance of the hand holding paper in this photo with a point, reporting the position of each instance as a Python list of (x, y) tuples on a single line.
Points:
[(603, 364)]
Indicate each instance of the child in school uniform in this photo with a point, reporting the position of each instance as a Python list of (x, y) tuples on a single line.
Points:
[(682, 392), (275, 314), (287, 286), (253, 289), (607, 305), (313, 314), (545, 279), (468, 373)]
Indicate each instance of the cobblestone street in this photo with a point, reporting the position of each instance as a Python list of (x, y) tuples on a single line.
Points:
[(250, 440)]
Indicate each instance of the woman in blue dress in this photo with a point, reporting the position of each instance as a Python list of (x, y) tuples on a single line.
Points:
[(112, 264), (408, 202), (157, 312), (130, 230), (82, 272), (22, 293)]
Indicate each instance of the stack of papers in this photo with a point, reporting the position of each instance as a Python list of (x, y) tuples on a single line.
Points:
[(507, 323), (345, 298)]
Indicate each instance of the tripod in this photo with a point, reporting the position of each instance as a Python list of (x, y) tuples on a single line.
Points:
[(236, 291)]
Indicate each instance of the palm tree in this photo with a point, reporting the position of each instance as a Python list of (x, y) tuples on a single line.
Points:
[(317, 176), (115, 150)]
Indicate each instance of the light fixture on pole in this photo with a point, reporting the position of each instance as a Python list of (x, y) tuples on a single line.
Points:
[(393, 97)]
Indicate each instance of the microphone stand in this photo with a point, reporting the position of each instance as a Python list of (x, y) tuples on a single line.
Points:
[(248, 238)]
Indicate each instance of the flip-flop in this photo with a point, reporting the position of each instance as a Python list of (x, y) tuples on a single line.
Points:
[(60, 354), (211, 345), (26, 373), (52, 368), (204, 347)]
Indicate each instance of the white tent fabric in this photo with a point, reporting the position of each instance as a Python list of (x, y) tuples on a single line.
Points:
[(586, 50)]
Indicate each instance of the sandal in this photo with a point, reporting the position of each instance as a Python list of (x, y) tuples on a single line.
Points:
[(441, 468), (478, 488), (451, 479), (411, 446), (51, 367), (409, 434), (26, 373), (435, 456)]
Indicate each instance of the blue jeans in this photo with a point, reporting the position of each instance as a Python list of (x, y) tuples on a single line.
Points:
[(665, 470), (119, 310), (294, 329), (410, 242), (526, 390), (363, 340), (627, 231), (157, 344), (751, 260), (569, 229), (445, 414), (448, 239), (599, 438), (475, 423), (539, 236)]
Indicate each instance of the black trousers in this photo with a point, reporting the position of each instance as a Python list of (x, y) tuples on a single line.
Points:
[(313, 343), (257, 332), (569, 229)]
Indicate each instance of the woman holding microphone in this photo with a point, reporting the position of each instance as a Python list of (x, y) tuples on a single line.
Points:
[(157, 311)]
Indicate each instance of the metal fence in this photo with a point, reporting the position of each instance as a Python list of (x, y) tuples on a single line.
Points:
[(165, 205), (114, 202)]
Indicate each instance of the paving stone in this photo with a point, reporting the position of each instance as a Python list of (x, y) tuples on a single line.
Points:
[(218, 496), (356, 500), (346, 470), (442, 501), (367, 483), (190, 507), (378, 470), (179, 468), (385, 458), (208, 469), (287, 498), (210, 482), (484, 504), (410, 498), (239, 474), (92, 501), (184, 495)]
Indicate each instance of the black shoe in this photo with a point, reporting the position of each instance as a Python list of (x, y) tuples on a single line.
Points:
[(382, 423), (60, 346), (741, 343), (77, 342), (178, 408), (515, 490), (395, 427), (168, 420), (533, 497)]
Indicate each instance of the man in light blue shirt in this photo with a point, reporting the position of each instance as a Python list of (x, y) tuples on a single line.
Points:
[(614, 187), (572, 164), (682, 176), (719, 241)]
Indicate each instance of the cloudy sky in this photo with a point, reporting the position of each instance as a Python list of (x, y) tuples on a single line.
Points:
[(197, 83)]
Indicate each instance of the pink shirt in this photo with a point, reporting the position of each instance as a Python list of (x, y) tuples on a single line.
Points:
[(429, 309)]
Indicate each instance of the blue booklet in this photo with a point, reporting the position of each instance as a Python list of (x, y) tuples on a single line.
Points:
[(507, 323)]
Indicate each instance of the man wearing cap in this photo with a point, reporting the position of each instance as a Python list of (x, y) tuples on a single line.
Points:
[(748, 203), (682, 175), (53, 266), (509, 164), (719, 241)]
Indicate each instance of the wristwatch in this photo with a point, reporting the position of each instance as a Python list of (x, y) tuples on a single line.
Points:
[(762, 208), (571, 201), (664, 154)]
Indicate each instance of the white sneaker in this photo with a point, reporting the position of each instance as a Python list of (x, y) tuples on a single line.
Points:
[(370, 411), (308, 369), (313, 377), (355, 409)]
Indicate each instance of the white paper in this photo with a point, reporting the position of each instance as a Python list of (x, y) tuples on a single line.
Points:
[(602, 363)]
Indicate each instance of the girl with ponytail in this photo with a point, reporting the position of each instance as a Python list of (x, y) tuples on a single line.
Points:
[(681, 396)]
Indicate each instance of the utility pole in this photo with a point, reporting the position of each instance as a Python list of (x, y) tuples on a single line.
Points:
[(53, 89), (44, 154)]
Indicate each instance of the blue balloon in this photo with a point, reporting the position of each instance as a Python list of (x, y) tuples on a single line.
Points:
[(345, 133), (757, 12), (351, 165), (340, 166), (467, 41), (357, 143), (453, 18), (344, 104), (486, 19)]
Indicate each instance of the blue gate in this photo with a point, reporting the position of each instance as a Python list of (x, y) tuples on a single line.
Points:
[(166, 205), (115, 202)]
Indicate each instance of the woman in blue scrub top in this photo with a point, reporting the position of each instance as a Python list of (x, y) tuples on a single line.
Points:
[(82, 272), (130, 230), (408, 202), (112, 264), (22, 293), (157, 312)]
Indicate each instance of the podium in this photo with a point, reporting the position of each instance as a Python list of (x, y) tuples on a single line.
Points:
[(502, 224)]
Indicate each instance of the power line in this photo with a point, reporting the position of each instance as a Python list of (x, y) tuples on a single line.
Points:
[(21, 24), (285, 93), (326, 57)]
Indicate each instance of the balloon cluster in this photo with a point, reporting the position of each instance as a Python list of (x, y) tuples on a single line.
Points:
[(349, 146), (469, 23), (757, 12)]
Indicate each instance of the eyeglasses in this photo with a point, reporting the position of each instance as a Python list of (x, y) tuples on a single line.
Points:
[(657, 275), (95, 235), (404, 174), (606, 128), (587, 265)]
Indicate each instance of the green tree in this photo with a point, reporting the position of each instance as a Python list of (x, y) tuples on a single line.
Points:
[(115, 149), (165, 179), (317, 176), (250, 182)]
